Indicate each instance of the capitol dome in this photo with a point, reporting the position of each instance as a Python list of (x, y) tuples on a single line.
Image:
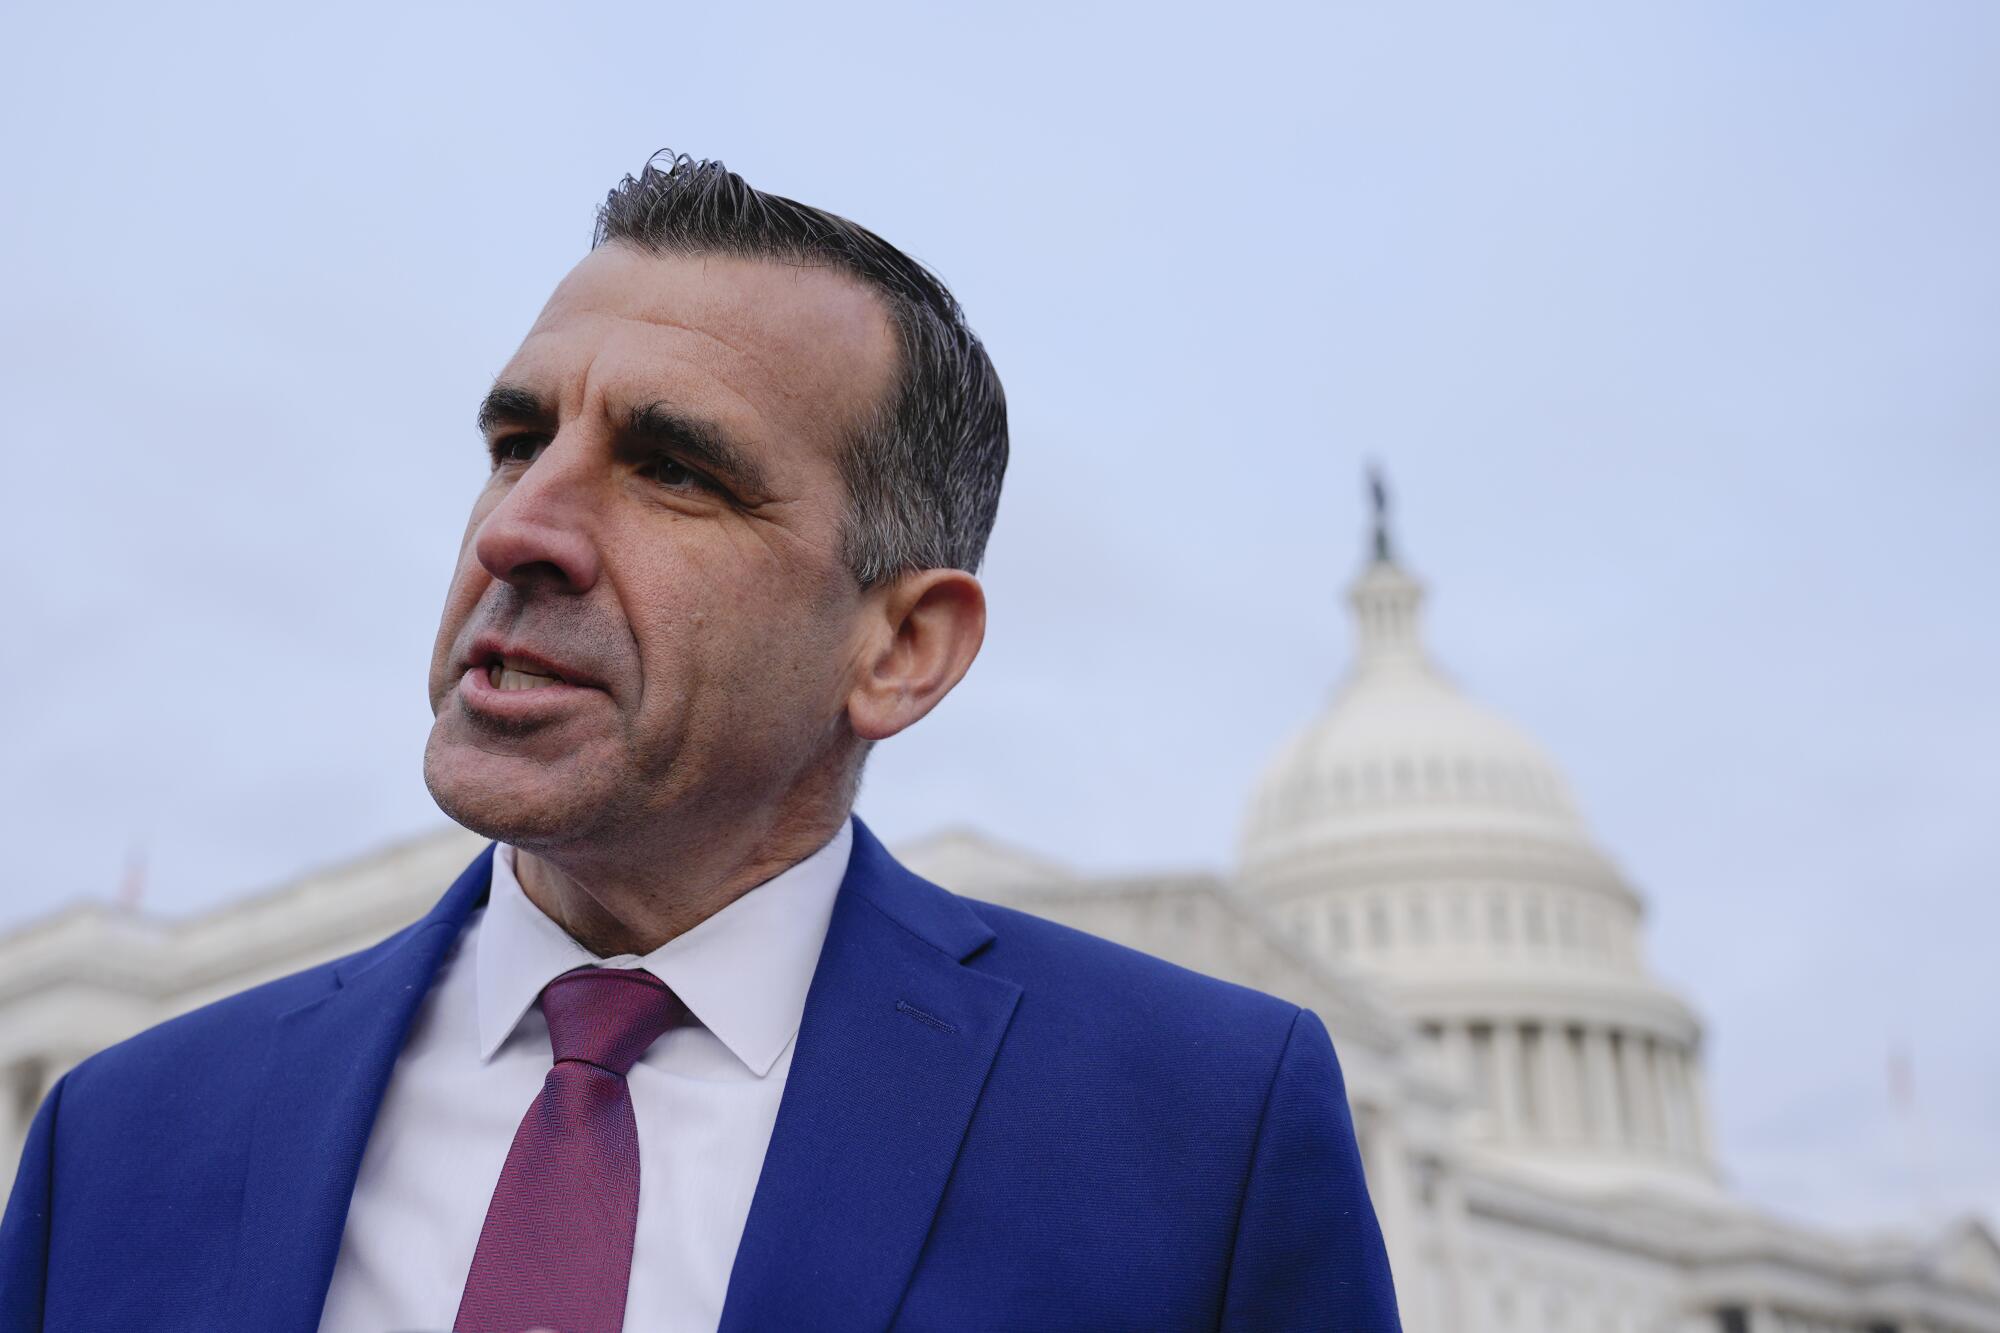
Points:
[(1401, 750), (1414, 836)]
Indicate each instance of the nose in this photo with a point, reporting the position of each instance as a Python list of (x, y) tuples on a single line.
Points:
[(542, 534)]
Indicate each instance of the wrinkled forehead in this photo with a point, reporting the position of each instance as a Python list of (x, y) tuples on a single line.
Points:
[(774, 349)]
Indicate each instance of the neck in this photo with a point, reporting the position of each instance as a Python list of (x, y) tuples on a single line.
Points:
[(632, 901)]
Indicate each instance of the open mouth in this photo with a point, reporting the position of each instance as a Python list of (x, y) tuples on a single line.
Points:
[(512, 674), (494, 669)]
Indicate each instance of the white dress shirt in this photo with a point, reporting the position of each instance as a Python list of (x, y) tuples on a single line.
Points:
[(705, 1095)]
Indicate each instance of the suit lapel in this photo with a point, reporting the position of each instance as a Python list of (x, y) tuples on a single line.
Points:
[(895, 1045), (328, 1064)]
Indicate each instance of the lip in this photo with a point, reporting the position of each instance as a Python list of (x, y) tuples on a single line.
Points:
[(490, 648), (481, 695)]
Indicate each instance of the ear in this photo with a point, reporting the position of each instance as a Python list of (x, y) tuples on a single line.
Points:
[(925, 629)]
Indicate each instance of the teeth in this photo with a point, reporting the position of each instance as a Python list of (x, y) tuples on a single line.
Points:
[(505, 677)]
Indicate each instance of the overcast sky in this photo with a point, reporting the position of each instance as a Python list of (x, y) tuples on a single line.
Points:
[(1674, 326)]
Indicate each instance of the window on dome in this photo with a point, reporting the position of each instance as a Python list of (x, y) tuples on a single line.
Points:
[(1598, 931), (1534, 926), (1313, 925)]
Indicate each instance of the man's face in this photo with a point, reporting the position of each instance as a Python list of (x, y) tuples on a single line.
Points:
[(652, 614)]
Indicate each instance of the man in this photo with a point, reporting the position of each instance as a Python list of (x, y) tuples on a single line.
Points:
[(686, 1048)]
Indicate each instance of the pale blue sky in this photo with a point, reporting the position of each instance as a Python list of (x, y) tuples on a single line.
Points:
[(1674, 325)]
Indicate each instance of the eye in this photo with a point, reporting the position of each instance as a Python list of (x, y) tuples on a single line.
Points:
[(516, 449), (672, 473)]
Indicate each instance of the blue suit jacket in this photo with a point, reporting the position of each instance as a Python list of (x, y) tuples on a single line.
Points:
[(991, 1122)]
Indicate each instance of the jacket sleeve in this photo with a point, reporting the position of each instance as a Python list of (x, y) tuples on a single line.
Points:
[(24, 1233), (1309, 1252)]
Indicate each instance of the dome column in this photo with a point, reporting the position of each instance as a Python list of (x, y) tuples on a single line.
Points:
[(1601, 1082), (1698, 1107), (1507, 1080), (1455, 1043), (1554, 1096), (1642, 1129), (1673, 1099)]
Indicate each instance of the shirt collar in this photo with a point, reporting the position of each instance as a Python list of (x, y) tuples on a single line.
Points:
[(743, 972)]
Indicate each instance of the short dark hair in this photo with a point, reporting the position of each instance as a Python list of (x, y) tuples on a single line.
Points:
[(923, 476)]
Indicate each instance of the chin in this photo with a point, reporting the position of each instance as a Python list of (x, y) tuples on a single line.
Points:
[(509, 799)]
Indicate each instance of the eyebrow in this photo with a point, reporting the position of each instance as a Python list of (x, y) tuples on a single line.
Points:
[(660, 428), (512, 405), (651, 428)]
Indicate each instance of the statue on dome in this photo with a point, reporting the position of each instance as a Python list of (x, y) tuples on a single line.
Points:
[(1379, 490)]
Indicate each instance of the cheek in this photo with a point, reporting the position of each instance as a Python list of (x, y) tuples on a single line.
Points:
[(740, 628), (751, 654)]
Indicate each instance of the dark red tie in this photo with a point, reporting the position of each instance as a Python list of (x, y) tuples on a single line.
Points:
[(556, 1250)]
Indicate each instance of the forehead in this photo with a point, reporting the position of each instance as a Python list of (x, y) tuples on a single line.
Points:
[(772, 350)]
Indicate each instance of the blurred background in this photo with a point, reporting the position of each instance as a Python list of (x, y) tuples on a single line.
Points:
[(1673, 327)]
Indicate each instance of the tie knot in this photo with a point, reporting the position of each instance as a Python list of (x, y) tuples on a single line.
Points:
[(607, 1016)]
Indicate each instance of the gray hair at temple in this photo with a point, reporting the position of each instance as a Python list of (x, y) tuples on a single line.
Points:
[(923, 477)]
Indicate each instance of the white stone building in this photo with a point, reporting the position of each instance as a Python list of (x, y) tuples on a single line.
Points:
[(1529, 1098)]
